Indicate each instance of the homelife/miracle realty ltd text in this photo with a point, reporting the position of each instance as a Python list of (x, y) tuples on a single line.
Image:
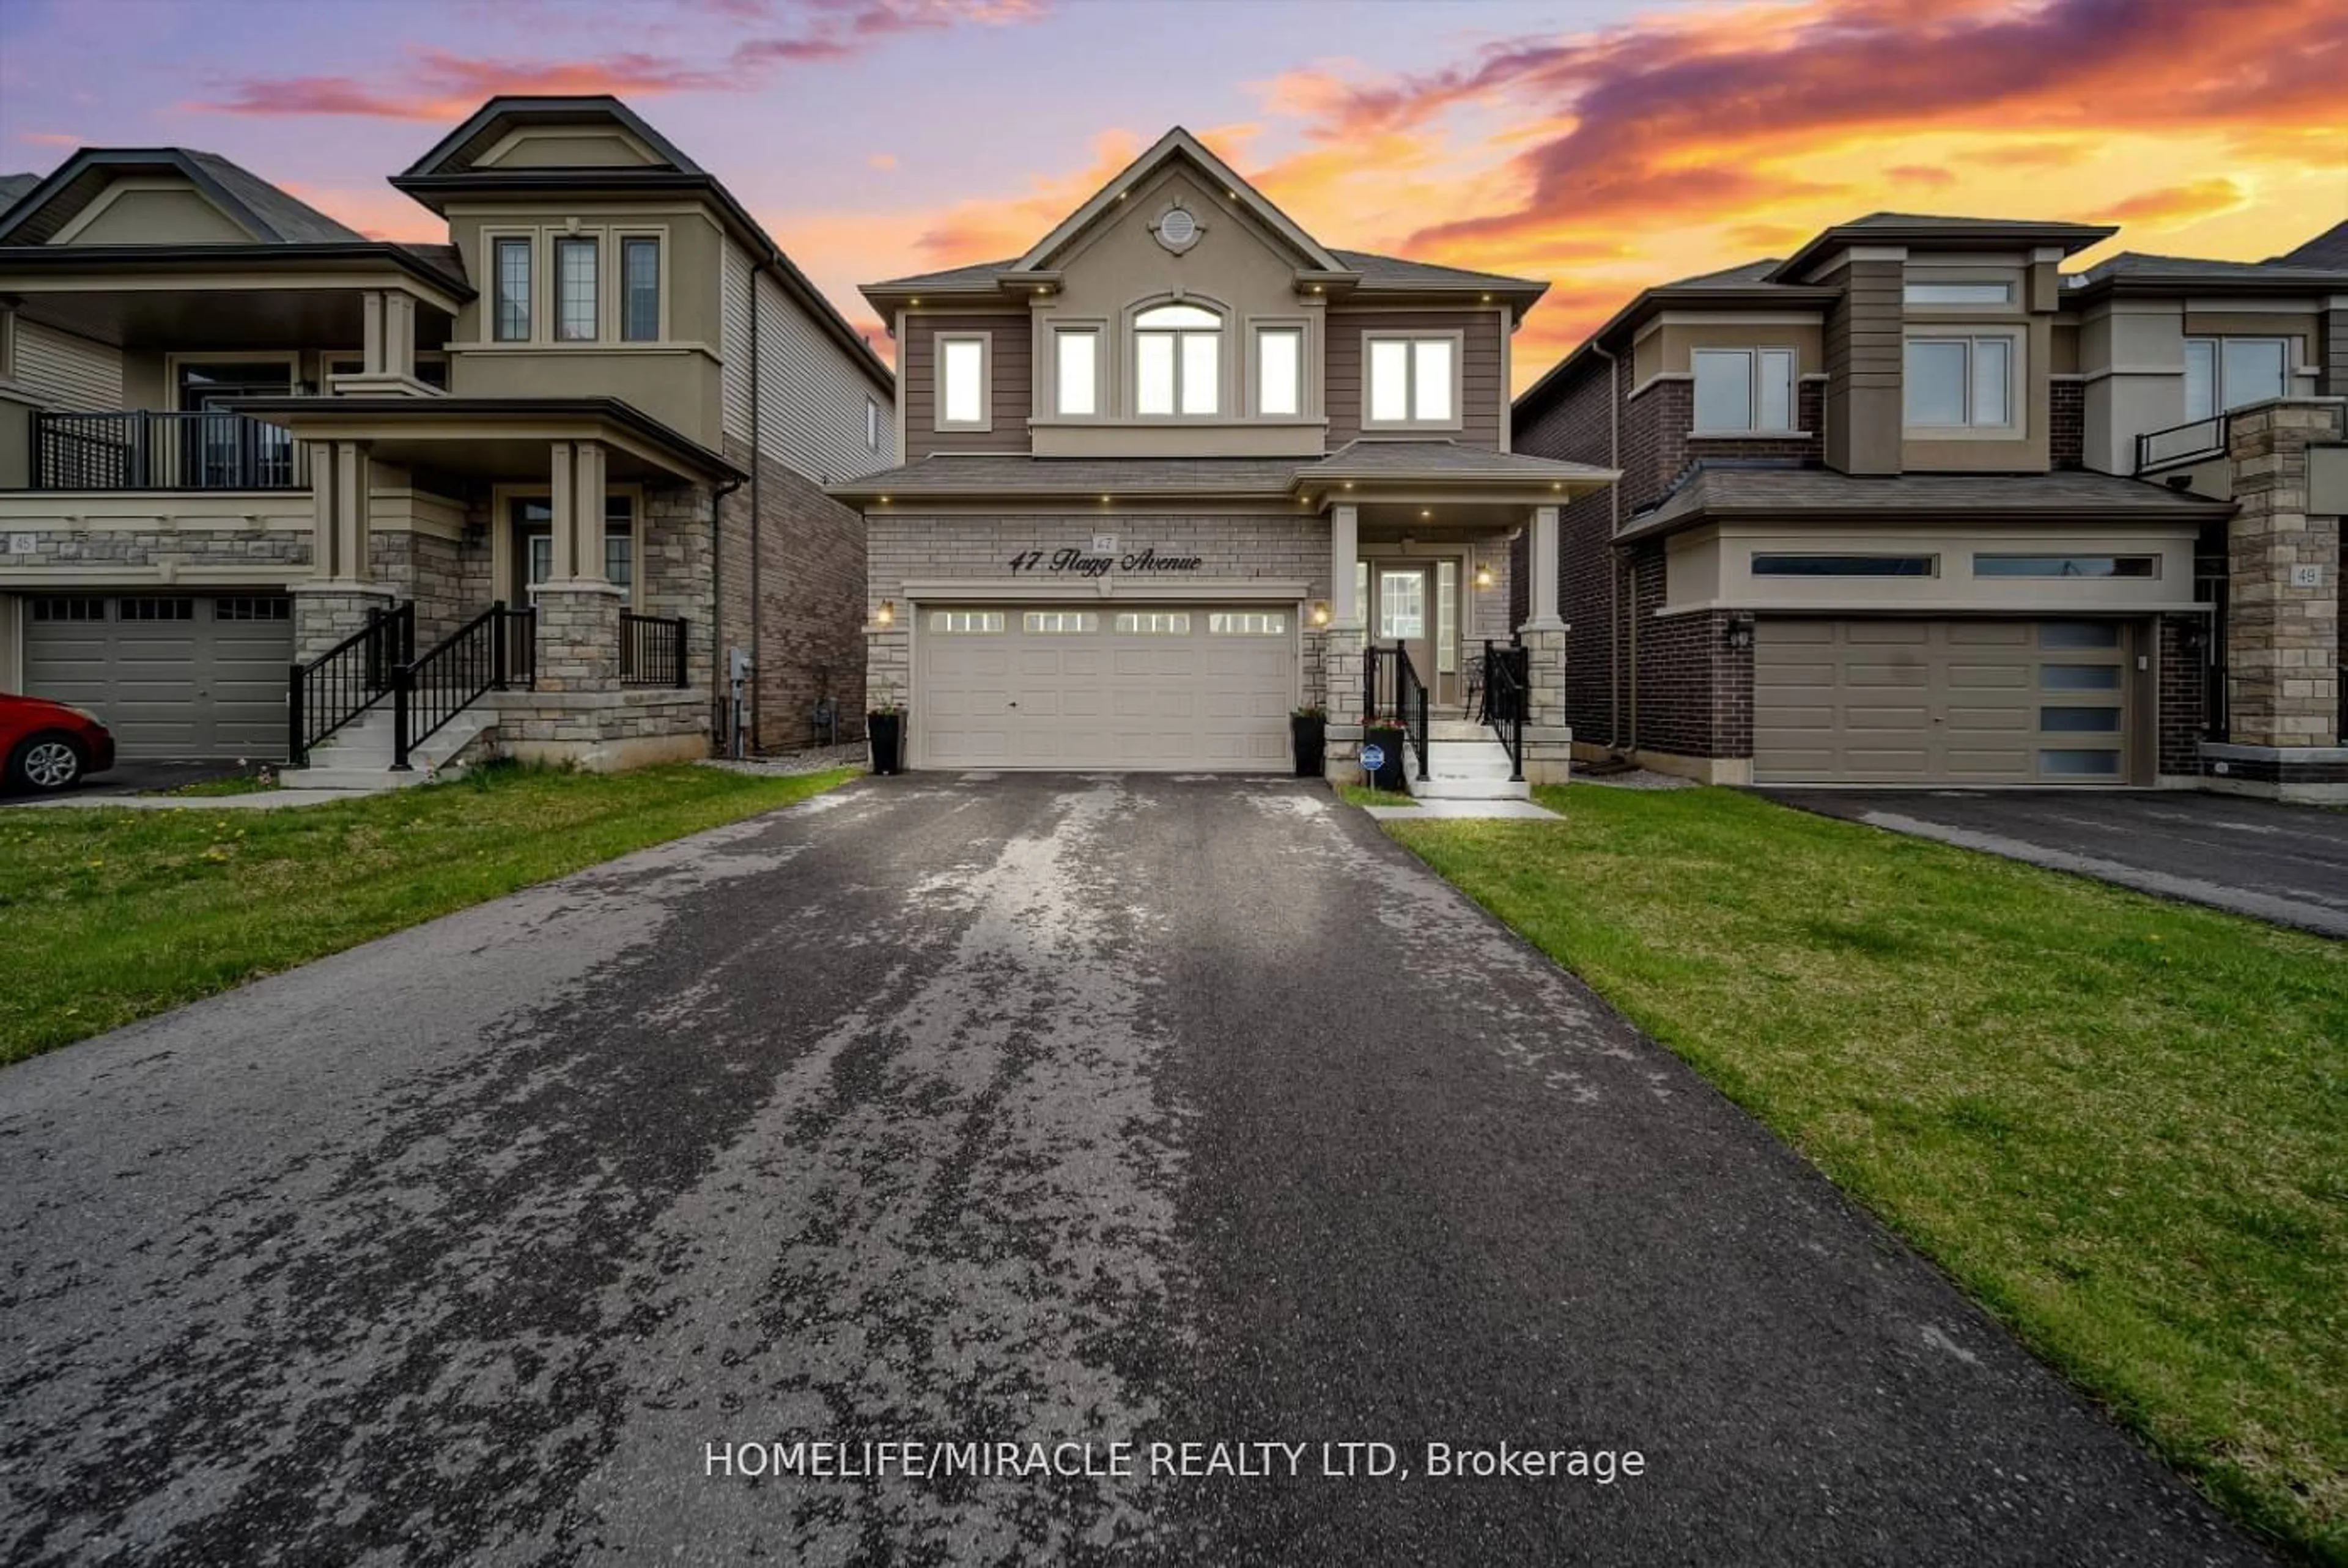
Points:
[(915, 1459)]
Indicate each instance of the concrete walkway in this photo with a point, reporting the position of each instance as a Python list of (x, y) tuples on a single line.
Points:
[(1034, 1109)]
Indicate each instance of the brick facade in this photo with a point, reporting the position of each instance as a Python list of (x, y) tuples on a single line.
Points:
[(2066, 423), (808, 620), (2179, 695), (1695, 692)]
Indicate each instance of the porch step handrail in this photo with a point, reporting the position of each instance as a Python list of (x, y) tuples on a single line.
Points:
[(475, 660), (156, 449), (652, 649), (346, 680), (1508, 697), (1393, 692)]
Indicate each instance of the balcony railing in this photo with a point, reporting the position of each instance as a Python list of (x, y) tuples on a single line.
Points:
[(139, 450), (2189, 442)]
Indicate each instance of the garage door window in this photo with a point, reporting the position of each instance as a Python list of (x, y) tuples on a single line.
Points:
[(1154, 623), (63, 609), (966, 622), (1060, 623), (2078, 634), (159, 609), (1247, 624), (253, 609), (2079, 763), (2079, 677), (2077, 720)]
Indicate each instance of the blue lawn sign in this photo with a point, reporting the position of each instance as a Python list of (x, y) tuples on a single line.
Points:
[(1373, 758)]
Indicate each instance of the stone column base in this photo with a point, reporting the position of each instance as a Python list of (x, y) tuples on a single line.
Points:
[(577, 636), (329, 611), (601, 732), (2317, 775), (1549, 756)]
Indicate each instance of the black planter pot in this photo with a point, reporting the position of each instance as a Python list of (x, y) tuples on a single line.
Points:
[(1388, 738), (887, 733), (1309, 734)]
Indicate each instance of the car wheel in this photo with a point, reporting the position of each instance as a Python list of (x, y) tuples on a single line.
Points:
[(45, 762)]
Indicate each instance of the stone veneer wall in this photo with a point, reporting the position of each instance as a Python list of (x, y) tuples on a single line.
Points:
[(275, 554), (915, 547), (433, 572), (2282, 658), (809, 622)]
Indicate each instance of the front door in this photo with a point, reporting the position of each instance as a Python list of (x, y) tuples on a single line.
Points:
[(1403, 610)]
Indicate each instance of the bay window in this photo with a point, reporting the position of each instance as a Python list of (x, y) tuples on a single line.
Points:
[(640, 288), (1958, 383), (510, 304), (1741, 390), (574, 289), (1178, 360)]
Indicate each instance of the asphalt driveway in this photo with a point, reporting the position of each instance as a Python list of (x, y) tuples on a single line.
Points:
[(2287, 864), (1161, 1111)]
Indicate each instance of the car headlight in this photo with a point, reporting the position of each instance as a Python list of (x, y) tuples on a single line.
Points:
[(84, 713)]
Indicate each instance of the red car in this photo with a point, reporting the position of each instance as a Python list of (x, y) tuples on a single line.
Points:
[(49, 745)]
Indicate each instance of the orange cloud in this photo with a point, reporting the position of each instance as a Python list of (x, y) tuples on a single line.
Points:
[(439, 84), (1919, 174), (2175, 203), (2030, 155)]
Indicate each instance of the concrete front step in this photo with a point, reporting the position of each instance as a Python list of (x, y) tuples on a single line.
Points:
[(1459, 729), (358, 755), (1471, 789), (360, 777), (1465, 769)]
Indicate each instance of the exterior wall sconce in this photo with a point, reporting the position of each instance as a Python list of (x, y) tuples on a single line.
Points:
[(887, 614), (2192, 638), (1740, 633), (1483, 575), (1320, 612)]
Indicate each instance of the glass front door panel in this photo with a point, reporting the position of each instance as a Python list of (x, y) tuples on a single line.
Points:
[(1402, 606)]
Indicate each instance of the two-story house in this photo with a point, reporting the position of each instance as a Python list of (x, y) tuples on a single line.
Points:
[(1884, 517), (269, 487), (1181, 468)]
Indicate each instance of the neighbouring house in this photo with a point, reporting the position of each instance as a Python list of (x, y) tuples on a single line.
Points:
[(1180, 468), (1915, 506), (269, 487)]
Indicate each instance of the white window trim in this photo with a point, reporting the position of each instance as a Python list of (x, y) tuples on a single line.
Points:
[(1102, 381), (1257, 327), (2218, 341), (871, 424), (1133, 335), (1459, 341), (985, 342), (2017, 382), (1793, 426)]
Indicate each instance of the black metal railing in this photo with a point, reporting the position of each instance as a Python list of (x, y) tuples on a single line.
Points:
[(2190, 442), (1393, 694), (140, 449), (652, 649), (474, 660), (1507, 699), (520, 635), (346, 680)]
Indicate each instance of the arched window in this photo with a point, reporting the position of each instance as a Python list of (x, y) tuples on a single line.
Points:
[(1178, 360)]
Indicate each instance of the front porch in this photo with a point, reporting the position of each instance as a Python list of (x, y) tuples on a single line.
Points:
[(551, 581)]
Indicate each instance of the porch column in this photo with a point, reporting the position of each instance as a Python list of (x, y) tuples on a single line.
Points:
[(1541, 561), (338, 597), (371, 333), (1549, 740), (1340, 646), (400, 336), (578, 610), (354, 476)]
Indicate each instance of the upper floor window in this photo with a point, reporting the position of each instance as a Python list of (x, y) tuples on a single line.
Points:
[(1742, 389), (1076, 366), (1280, 371), (574, 289), (640, 264), (1958, 294), (2224, 373), (963, 382), (872, 425), (1178, 360), (1956, 383), (1412, 380), (512, 305)]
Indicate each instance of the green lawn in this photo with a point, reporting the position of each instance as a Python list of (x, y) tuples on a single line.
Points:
[(2121, 1125), (107, 916), (1370, 795)]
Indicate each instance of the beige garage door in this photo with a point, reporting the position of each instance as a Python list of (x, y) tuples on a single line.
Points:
[(1942, 701), (1166, 689), (173, 675)]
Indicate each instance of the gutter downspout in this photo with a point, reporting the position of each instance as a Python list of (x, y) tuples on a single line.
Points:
[(1614, 565), (757, 508)]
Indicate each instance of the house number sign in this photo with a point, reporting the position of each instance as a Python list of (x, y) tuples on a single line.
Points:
[(1071, 562)]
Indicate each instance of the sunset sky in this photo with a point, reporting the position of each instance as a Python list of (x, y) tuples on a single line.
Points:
[(1603, 146)]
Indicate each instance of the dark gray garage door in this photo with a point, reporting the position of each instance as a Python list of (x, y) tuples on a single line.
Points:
[(173, 675)]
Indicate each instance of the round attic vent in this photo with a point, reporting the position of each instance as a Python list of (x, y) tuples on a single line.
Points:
[(1178, 227)]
